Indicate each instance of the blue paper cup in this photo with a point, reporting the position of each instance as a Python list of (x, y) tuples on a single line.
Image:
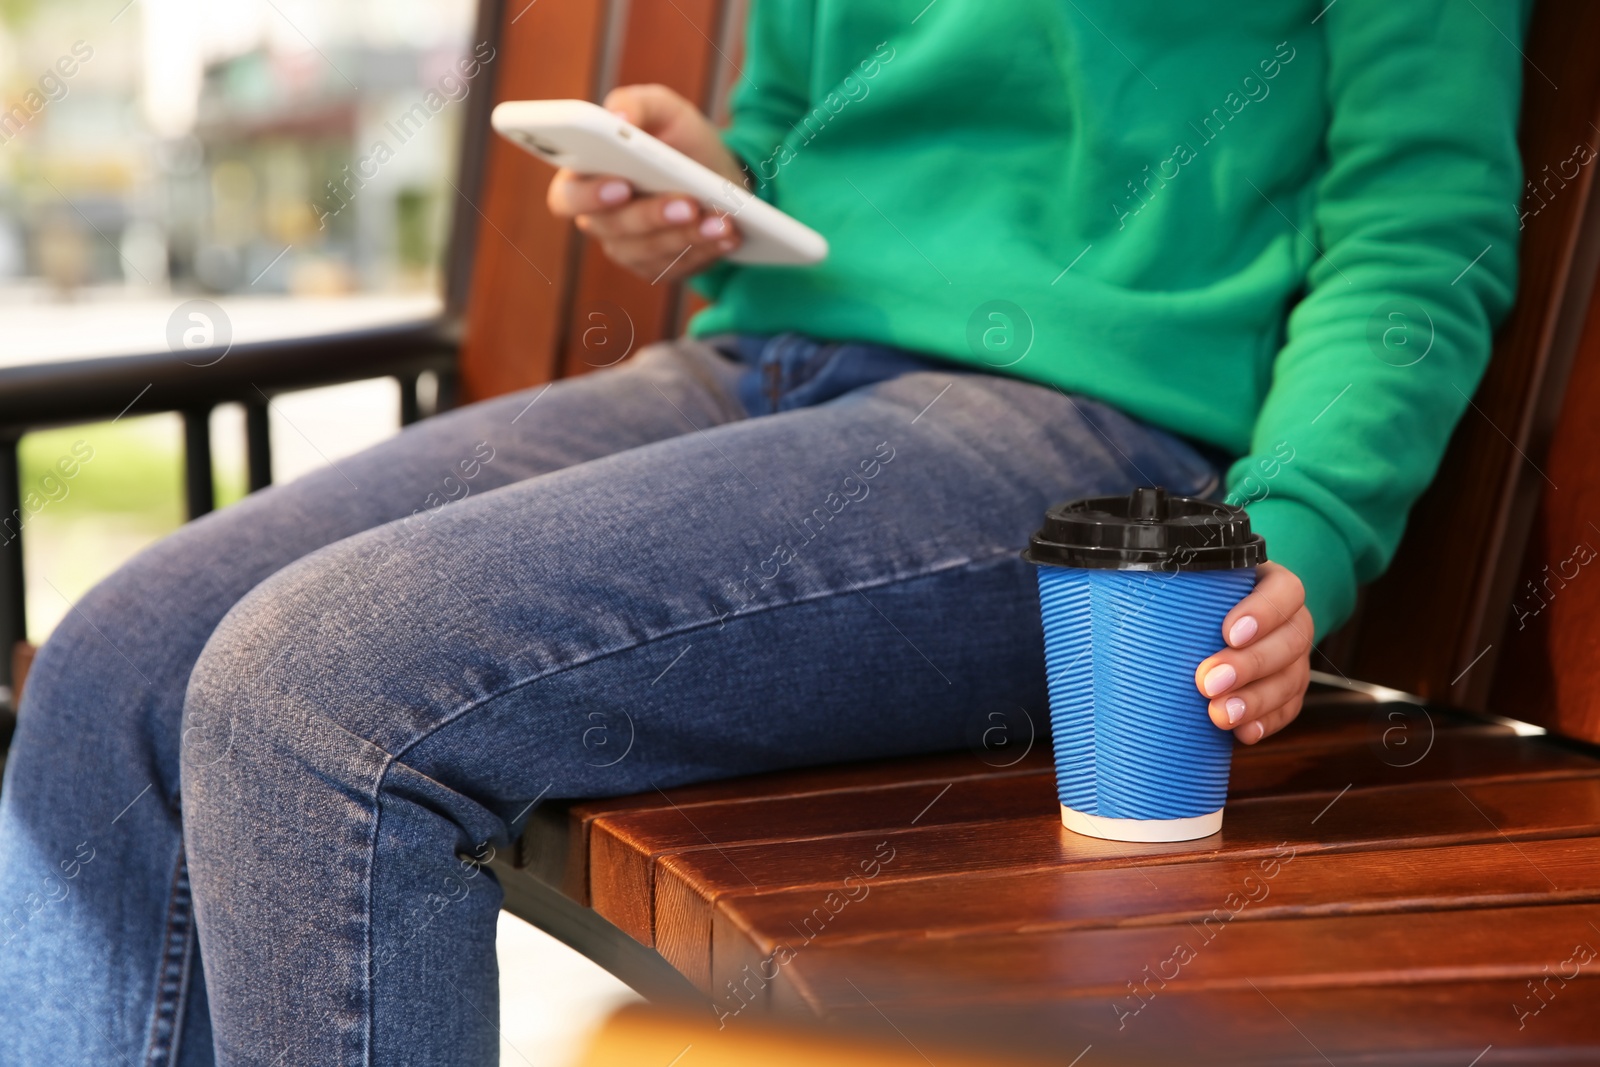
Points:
[(1133, 591)]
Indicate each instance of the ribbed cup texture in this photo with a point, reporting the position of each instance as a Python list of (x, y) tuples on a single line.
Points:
[(1132, 737)]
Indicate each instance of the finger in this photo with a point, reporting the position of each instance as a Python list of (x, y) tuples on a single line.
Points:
[(719, 227), (1277, 597), (696, 260), (711, 229), (1235, 667), (1248, 703), (643, 216), (668, 241), (573, 194), (667, 257), (1270, 723)]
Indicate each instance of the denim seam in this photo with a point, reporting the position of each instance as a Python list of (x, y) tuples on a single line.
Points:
[(387, 761), (368, 908), (370, 1006), (173, 970), (399, 754)]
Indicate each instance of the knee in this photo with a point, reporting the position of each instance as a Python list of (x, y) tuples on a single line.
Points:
[(323, 664), (248, 690), (303, 705), (271, 741)]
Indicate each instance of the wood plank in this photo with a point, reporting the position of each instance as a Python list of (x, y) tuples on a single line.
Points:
[(1457, 755), (627, 846), (1496, 874), (723, 816), (1110, 964), (624, 847), (1386, 728), (667, 44), (1547, 672), (556, 844), (708, 951), (516, 307), (1440, 1024)]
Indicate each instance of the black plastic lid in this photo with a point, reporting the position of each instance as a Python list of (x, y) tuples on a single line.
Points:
[(1146, 531)]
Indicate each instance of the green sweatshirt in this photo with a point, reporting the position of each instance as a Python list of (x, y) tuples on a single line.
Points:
[(1286, 228)]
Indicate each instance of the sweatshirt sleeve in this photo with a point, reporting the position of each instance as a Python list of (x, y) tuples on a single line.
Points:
[(773, 91), (1416, 219)]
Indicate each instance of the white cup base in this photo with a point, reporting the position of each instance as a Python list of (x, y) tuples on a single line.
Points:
[(1187, 829)]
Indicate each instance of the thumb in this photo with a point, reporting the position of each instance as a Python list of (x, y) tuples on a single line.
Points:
[(675, 121), (653, 108)]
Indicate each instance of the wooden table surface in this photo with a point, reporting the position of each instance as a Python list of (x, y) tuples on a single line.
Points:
[(1390, 885)]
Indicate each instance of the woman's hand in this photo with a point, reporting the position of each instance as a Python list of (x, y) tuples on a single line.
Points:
[(1257, 683), (663, 237)]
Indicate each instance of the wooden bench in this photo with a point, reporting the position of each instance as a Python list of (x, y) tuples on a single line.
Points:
[(1394, 881), (1389, 879)]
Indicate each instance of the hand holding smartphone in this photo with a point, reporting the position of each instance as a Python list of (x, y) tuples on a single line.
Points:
[(654, 208)]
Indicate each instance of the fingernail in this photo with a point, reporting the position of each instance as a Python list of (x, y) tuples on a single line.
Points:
[(1242, 631), (1258, 733), (1219, 680), (727, 246), (1235, 708), (678, 211), (615, 192), (713, 227)]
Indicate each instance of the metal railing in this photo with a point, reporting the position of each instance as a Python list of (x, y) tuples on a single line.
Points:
[(42, 395)]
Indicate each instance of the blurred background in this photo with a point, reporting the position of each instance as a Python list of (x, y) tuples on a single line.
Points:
[(290, 160), (156, 149)]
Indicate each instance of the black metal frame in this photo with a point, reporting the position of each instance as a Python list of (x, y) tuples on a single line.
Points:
[(584, 930), (41, 395)]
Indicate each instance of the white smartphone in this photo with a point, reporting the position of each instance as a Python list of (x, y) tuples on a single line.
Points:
[(591, 140)]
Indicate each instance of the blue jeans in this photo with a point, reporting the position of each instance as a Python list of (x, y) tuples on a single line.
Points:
[(275, 745)]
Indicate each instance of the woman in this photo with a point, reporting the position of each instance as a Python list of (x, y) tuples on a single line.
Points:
[(1253, 250)]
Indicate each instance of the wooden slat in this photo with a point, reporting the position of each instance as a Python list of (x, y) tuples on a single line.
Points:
[(626, 846), (709, 945), (556, 846), (1347, 950), (520, 279), (1500, 873), (1550, 667), (22, 654), (669, 44), (1447, 1024), (1454, 755)]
